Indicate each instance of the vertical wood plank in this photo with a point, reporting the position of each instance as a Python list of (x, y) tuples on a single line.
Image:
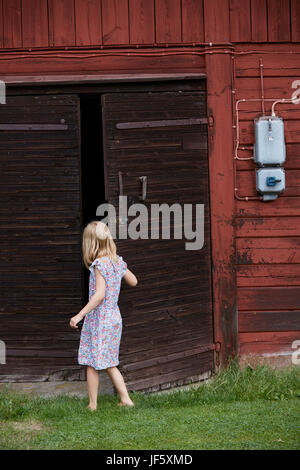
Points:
[(88, 22), (295, 20), (240, 20), (192, 21), (141, 21), (278, 20), (220, 144), (1, 23), (259, 24), (168, 21), (61, 23), (115, 22), (50, 24), (12, 28), (216, 17), (35, 23)]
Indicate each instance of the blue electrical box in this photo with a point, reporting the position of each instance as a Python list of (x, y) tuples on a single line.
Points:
[(270, 181), (269, 148)]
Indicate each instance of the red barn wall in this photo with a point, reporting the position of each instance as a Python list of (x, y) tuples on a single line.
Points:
[(69, 23), (93, 36), (268, 234)]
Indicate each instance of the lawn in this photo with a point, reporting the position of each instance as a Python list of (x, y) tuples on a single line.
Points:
[(254, 408)]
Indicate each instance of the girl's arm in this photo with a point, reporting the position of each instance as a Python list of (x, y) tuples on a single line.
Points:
[(130, 278), (94, 301)]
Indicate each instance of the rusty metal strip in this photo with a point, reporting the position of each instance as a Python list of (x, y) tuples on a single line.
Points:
[(161, 123), (33, 127)]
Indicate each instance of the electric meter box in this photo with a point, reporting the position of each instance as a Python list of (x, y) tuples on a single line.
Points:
[(270, 182), (269, 147)]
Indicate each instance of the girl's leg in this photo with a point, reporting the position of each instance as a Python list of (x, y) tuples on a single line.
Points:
[(93, 384), (118, 381)]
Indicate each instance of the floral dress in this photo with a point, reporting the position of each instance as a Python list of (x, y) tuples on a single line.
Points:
[(102, 328)]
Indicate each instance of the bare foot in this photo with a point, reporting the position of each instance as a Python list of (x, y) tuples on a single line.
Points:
[(91, 408), (126, 403)]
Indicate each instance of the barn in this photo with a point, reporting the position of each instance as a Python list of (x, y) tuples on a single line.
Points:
[(155, 100)]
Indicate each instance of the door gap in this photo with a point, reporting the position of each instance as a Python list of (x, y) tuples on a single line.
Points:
[(92, 165)]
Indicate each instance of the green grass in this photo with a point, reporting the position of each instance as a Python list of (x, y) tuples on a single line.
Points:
[(251, 409)]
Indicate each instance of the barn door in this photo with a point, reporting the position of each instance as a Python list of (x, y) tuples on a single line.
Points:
[(155, 151), (40, 262)]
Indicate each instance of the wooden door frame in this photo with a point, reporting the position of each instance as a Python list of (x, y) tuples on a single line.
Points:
[(222, 204), (221, 177)]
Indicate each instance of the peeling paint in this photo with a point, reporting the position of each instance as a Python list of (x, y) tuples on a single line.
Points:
[(244, 258)]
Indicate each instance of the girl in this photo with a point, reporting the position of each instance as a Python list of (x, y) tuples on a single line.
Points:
[(102, 327)]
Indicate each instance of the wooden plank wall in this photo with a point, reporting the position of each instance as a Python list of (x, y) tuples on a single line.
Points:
[(56, 23), (174, 159), (268, 233), (40, 260)]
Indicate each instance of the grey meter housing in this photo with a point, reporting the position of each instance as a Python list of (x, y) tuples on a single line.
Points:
[(269, 153)]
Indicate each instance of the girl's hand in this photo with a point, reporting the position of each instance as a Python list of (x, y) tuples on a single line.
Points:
[(75, 320)]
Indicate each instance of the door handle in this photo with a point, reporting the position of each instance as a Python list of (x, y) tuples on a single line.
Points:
[(120, 183), (143, 180)]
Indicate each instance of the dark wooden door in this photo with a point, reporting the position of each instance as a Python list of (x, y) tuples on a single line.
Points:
[(167, 319), (40, 261)]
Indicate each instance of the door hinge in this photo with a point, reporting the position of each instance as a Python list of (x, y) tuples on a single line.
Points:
[(211, 121), (217, 351)]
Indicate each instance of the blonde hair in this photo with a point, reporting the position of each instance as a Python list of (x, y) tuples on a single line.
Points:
[(97, 242)]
